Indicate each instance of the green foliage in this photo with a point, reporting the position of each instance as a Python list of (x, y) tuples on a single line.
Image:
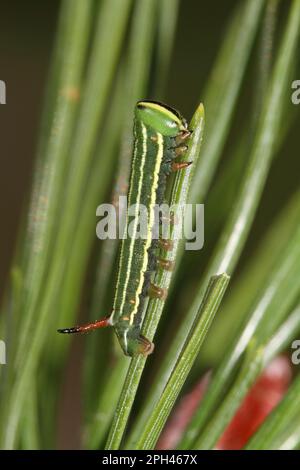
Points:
[(97, 74)]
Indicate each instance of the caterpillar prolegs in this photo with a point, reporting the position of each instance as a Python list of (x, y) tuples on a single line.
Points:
[(160, 136)]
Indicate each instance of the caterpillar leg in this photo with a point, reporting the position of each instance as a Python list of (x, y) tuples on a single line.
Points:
[(87, 326), (167, 219), (157, 292), (165, 264), (176, 166), (182, 136), (165, 244), (145, 347), (132, 342), (172, 166), (180, 150)]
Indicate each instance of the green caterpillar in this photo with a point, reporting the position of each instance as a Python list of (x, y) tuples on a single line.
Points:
[(160, 134)]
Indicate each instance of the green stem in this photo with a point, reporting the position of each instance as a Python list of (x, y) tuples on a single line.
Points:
[(212, 299)]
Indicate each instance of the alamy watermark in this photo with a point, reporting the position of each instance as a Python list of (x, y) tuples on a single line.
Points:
[(181, 221), (2, 352), (296, 353), (2, 92), (295, 97)]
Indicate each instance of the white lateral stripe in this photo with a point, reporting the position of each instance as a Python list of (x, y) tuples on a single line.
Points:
[(136, 213), (126, 226), (159, 157), (125, 340)]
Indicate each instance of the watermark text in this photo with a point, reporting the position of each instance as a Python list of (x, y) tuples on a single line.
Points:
[(2, 92), (2, 352), (177, 222), (296, 353), (295, 97)]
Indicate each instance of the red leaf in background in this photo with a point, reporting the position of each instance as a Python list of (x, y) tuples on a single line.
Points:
[(264, 395), (259, 402)]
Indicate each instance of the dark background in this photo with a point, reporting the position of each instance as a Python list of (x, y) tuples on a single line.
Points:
[(26, 37)]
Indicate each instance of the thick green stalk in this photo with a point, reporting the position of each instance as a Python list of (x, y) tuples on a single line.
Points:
[(212, 299)]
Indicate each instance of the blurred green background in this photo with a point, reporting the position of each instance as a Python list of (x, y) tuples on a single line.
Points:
[(26, 37), (27, 32)]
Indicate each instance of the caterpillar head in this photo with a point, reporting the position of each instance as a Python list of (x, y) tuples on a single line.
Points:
[(163, 119)]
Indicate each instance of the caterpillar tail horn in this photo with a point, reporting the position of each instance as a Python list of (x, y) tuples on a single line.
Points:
[(104, 322)]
